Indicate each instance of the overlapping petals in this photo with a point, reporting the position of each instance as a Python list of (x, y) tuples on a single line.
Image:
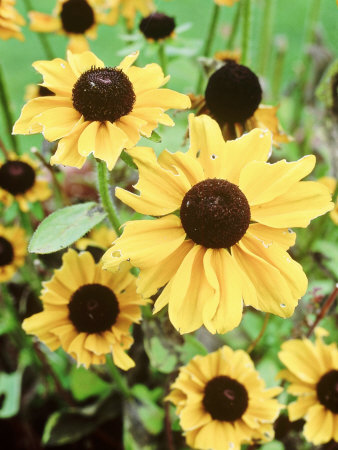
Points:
[(10, 21), (208, 286), (56, 118)]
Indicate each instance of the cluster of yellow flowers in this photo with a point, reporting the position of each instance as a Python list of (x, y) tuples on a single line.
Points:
[(217, 240)]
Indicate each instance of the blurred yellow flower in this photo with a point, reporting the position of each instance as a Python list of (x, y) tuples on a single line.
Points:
[(10, 21), (13, 249)]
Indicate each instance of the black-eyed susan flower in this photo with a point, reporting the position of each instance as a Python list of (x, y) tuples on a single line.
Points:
[(13, 249), (21, 180), (78, 19), (157, 26), (10, 21), (312, 370), (97, 242), (222, 402), (88, 311), (128, 9), (221, 235), (97, 109), (233, 95)]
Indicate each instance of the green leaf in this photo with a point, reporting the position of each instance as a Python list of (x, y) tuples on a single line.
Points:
[(160, 357), (85, 383), (65, 226), (274, 445), (150, 414), (128, 160), (10, 390), (191, 348), (155, 137)]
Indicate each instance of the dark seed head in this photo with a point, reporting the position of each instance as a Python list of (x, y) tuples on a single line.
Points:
[(77, 16), (93, 308), (215, 213), (225, 399), (16, 177), (327, 391), (233, 93), (157, 26), (103, 94), (6, 252)]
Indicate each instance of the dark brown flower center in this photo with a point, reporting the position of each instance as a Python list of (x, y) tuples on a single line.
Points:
[(93, 308), (225, 399), (327, 391), (103, 94), (233, 93), (6, 252), (157, 26), (44, 91), (215, 213), (77, 16), (16, 177)]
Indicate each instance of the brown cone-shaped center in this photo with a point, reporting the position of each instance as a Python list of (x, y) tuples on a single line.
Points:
[(103, 94), (215, 213), (93, 308), (157, 26), (77, 16), (233, 93), (225, 399), (327, 391), (6, 252), (16, 177)]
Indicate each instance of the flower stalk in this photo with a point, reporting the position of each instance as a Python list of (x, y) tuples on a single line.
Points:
[(246, 29), (107, 202), (325, 308), (265, 37), (234, 28), (118, 378), (7, 112), (260, 335), (162, 57)]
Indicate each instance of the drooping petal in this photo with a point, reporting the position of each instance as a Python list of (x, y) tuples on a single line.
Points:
[(77, 43), (194, 416), (319, 425), (109, 143), (305, 201), (128, 61), (262, 182), (145, 243), (181, 163)]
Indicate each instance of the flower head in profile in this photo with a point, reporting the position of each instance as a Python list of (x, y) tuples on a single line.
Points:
[(88, 311), (78, 19), (157, 26), (97, 109), (222, 402), (10, 21), (221, 231), (312, 370), (13, 249), (233, 96), (20, 180)]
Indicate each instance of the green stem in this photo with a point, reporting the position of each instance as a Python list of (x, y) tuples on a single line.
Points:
[(325, 308), (246, 29), (265, 38), (42, 37), (118, 378), (234, 28), (278, 70), (107, 202), (162, 57), (260, 335), (7, 111), (208, 42)]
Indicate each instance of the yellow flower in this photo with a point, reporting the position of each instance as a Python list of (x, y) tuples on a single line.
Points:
[(128, 9), (97, 109), (222, 402), (20, 181), (232, 97), (228, 55), (312, 370), (225, 2), (77, 19), (10, 21), (97, 241), (223, 235), (13, 249), (88, 311), (331, 183)]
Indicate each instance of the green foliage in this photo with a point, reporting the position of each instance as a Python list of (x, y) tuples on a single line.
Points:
[(85, 383), (65, 226), (151, 415), (10, 393)]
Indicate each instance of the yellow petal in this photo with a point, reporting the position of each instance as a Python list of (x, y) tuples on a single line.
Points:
[(128, 61), (194, 416), (262, 182), (149, 77), (121, 359), (284, 237), (58, 122), (170, 189), (67, 149), (96, 343), (57, 76), (44, 321), (223, 311), (109, 143), (146, 242), (82, 62), (27, 124), (77, 43), (189, 292), (163, 98), (319, 425), (44, 23), (182, 163), (305, 201)]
